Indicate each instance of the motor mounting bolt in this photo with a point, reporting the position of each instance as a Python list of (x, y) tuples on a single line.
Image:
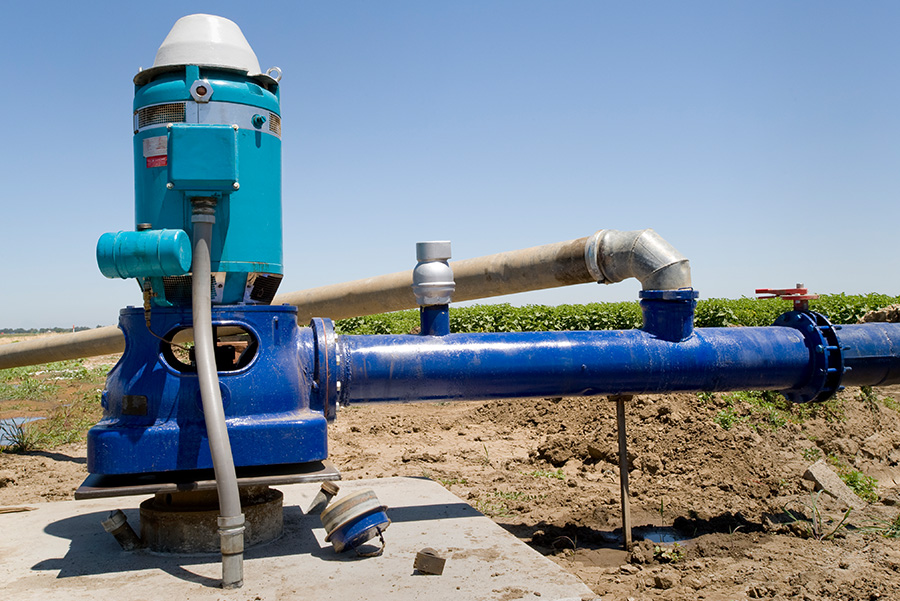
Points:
[(170, 185), (236, 186)]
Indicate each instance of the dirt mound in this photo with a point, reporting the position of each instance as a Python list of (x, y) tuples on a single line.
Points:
[(717, 472), (889, 314)]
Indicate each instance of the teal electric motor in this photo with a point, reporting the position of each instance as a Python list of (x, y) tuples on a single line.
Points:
[(207, 167), (207, 124)]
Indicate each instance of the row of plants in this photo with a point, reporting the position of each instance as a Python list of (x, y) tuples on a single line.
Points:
[(715, 312)]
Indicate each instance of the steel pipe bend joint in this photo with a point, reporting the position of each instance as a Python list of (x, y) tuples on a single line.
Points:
[(613, 256)]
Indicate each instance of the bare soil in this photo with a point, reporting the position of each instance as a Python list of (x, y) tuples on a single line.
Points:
[(547, 471)]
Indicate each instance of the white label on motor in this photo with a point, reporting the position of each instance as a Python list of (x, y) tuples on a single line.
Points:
[(156, 146)]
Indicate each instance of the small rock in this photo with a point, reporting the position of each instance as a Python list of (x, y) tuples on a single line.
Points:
[(629, 569), (830, 482), (877, 446), (597, 453), (759, 591), (891, 498), (642, 552), (651, 463), (846, 446), (666, 580), (694, 582)]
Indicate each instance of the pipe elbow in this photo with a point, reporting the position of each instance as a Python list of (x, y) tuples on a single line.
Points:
[(613, 256)]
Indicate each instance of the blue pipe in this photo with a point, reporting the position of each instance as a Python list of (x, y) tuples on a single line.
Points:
[(434, 320), (588, 363), (871, 354), (485, 366)]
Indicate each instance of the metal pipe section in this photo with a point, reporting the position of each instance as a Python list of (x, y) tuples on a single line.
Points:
[(588, 363), (584, 363), (640, 254), (644, 254), (537, 268), (579, 261), (231, 520), (87, 343), (871, 354)]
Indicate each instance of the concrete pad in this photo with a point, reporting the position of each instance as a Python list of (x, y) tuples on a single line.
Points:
[(60, 551)]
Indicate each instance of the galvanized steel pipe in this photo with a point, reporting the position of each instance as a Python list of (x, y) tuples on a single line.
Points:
[(643, 254), (87, 343), (640, 254)]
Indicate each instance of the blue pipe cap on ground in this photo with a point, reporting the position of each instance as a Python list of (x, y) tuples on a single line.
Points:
[(149, 253), (353, 520)]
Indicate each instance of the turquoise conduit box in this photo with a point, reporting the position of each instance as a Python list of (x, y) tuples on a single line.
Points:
[(203, 158)]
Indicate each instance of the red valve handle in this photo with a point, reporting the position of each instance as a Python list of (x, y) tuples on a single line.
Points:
[(799, 295)]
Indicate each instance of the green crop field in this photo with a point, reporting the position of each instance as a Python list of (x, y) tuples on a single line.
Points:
[(714, 312)]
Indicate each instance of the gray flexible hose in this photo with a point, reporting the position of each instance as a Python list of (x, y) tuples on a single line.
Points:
[(231, 520)]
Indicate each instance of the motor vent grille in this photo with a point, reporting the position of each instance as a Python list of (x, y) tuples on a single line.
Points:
[(275, 124), (177, 289), (264, 288), (160, 113)]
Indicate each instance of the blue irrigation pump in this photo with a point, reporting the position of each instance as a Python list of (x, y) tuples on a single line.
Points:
[(213, 132), (207, 156)]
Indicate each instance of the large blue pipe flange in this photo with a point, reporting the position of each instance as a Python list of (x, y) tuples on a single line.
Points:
[(826, 367), (326, 386), (669, 314)]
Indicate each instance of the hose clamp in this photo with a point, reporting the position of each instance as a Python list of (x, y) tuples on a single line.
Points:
[(592, 256)]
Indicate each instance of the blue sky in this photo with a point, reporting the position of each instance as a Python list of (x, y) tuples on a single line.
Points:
[(761, 139)]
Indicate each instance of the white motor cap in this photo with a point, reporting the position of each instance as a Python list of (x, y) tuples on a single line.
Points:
[(207, 41)]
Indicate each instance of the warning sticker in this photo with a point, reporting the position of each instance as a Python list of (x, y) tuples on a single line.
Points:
[(156, 150)]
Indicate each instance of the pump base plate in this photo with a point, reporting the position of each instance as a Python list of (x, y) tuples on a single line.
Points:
[(98, 486)]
